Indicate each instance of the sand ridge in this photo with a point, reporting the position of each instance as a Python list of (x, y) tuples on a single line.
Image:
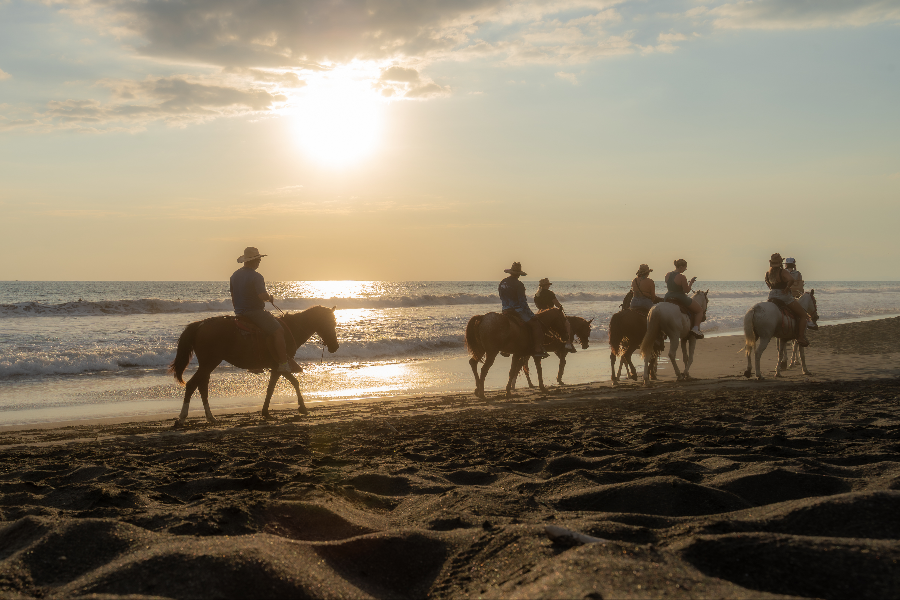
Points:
[(713, 488)]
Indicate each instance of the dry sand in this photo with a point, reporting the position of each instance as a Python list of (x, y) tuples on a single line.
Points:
[(718, 487)]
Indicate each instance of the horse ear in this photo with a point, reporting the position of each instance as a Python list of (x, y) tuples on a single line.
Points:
[(333, 307), (591, 321), (812, 292), (707, 291)]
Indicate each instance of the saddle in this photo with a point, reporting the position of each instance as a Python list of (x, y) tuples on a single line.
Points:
[(261, 346), (789, 327), (684, 309)]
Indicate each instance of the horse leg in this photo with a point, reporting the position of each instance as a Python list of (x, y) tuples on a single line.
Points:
[(301, 407), (189, 388), (479, 383), (204, 394), (527, 373), (803, 361), (688, 356), (273, 380), (673, 351), (612, 368), (761, 344), (562, 366), (473, 362), (514, 368), (539, 367), (629, 364), (780, 345)]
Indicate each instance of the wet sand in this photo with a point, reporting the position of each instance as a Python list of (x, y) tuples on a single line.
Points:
[(718, 487)]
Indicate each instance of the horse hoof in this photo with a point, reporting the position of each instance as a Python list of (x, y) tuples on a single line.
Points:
[(807, 373), (212, 420), (302, 410), (179, 424), (747, 373), (760, 378)]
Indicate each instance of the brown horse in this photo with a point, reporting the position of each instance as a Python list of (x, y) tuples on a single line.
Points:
[(216, 339), (626, 331), (488, 335), (581, 328)]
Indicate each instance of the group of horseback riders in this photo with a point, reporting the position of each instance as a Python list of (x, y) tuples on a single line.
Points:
[(249, 295)]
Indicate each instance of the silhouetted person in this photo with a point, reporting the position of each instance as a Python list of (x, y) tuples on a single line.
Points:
[(544, 299), (512, 295)]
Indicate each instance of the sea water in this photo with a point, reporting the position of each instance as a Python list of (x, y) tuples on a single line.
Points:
[(83, 350)]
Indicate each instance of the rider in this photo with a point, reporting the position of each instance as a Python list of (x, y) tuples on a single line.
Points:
[(790, 265), (644, 290), (677, 287), (545, 299), (512, 295), (780, 283), (249, 296)]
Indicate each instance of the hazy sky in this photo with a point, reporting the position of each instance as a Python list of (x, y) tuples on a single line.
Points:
[(395, 139)]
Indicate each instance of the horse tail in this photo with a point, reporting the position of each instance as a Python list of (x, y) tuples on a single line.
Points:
[(185, 351), (616, 333), (654, 328), (473, 344), (750, 335)]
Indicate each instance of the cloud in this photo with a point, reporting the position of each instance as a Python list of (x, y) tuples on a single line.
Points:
[(174, 100), (403, 82), (4, 75), (570, 77), (799, 14)]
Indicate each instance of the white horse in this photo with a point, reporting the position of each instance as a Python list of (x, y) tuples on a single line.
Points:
[(760, 324), (667, 318)]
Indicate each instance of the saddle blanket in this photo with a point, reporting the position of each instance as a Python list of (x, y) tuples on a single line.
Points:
[(789, 327)]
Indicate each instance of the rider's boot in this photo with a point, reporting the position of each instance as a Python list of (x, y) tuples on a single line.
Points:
[(281, 354), (537, 334), (570, 336), (695, 330), (802, 319)]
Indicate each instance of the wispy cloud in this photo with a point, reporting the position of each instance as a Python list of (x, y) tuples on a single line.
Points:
[(570, 77), (798, 14), (4, 75)]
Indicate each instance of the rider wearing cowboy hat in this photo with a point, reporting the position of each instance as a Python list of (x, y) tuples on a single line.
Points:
[(512, 295), (644, 290), (249, 297), (545, 299)]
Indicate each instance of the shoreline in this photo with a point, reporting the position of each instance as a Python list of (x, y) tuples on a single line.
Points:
[(718, 360)]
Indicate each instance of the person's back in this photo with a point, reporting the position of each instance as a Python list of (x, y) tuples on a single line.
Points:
[(545, 298), (643, 289), (246, 287)]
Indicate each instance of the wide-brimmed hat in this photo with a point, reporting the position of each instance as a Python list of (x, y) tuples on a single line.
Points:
[(644, 269), (250, 253), (515, 269), (776, 259), (545, 281), (790, 261)]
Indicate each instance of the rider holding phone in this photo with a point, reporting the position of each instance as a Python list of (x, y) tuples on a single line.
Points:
[(678, 287)]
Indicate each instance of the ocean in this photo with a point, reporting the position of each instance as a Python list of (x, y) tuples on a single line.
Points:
[(89, 350)]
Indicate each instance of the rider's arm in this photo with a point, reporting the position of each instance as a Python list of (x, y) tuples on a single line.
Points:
[(685, 285), (652, 293), (260, 284), (787, 278)]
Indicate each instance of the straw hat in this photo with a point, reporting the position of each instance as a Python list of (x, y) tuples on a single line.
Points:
[(516, 269), (776, 259), (545, 281), (250, 253), (644, 269)]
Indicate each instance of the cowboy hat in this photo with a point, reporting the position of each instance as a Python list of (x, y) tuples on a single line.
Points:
[(644, 269), (250, 253), (516, 269), (545, 281)]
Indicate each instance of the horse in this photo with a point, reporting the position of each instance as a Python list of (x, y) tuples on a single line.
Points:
[(626, 332), (581, 329), (763, 321), (666, 317), (217, 338), (488, 335)]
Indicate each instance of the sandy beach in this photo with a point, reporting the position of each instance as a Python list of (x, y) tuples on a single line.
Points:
[(717, 487)]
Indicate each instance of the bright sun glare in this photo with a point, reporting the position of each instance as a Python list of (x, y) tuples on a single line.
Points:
[(339, 118)]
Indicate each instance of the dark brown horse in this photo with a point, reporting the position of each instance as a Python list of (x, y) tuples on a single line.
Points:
[(488, 335), (217, 339), (626, 331), (581, 329)]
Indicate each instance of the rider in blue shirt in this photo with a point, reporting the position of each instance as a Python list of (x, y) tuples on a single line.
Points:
[(512, 295), (249, 296)]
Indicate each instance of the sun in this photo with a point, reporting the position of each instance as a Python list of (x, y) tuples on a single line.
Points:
[(339, 118)]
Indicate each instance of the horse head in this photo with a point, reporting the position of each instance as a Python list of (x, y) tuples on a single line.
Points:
[(814, 307), (582, 330), (705, 302), (326, 328)]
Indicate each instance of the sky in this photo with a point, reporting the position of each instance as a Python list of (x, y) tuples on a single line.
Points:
[(443, 140)]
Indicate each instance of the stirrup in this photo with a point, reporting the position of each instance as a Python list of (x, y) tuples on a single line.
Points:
[(540, 354), (697, 334)]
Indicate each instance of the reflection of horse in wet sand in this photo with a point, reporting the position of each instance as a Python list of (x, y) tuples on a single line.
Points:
[(626, 332), (581, 329), (669, 318), (218, 339), (488, 335), (765, 321)]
